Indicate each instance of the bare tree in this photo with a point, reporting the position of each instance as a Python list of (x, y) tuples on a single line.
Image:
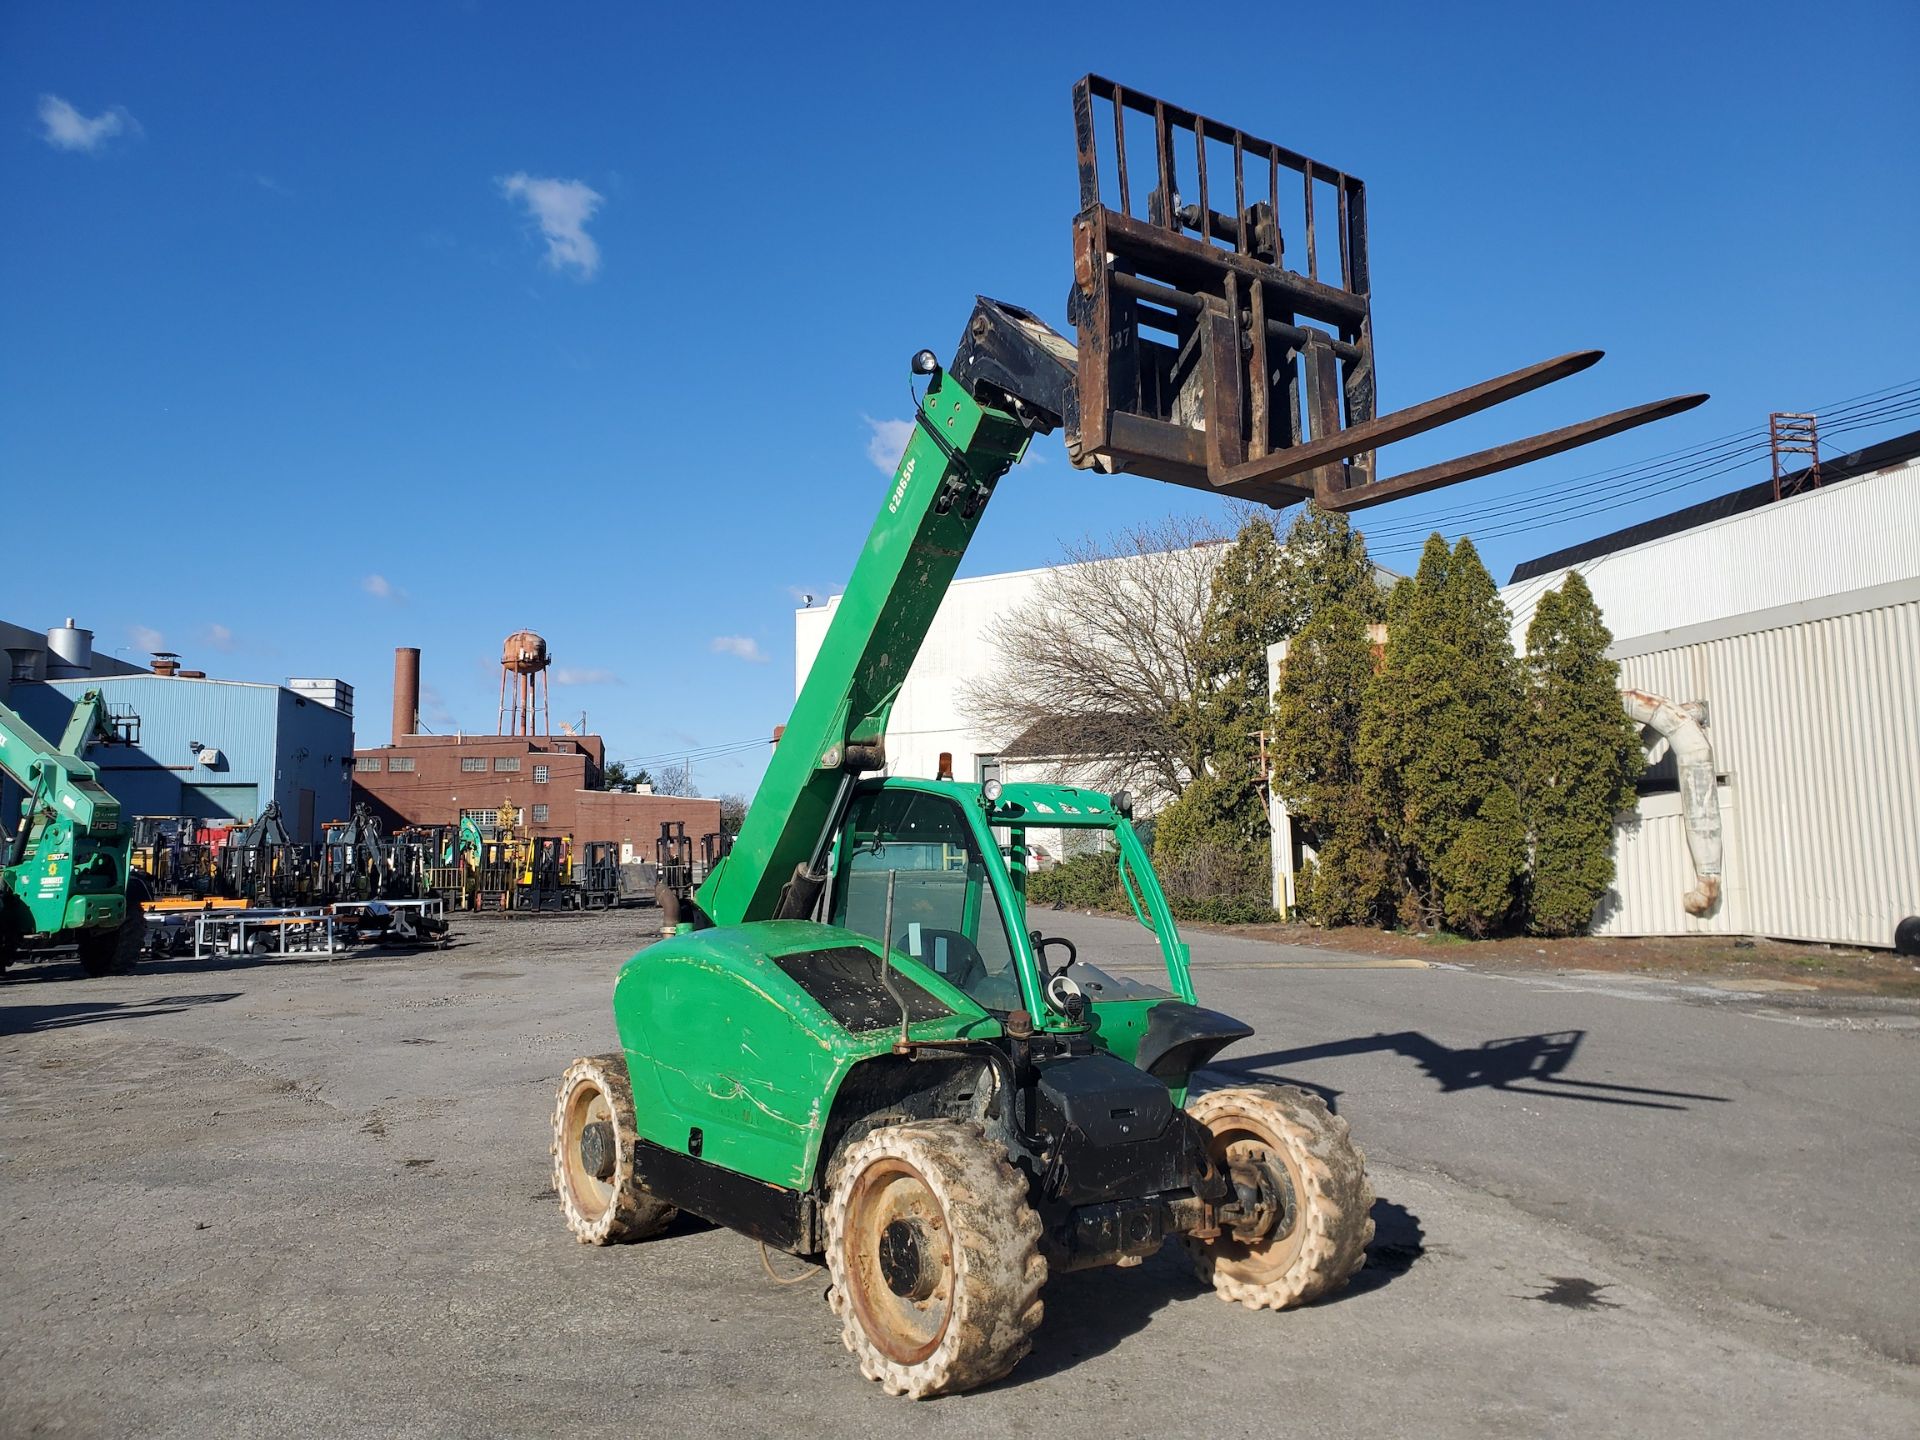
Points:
[(1100, 663), (677, 780)]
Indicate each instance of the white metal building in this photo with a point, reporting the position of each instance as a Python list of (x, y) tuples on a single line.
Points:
[(930, 717), (1794, 627)]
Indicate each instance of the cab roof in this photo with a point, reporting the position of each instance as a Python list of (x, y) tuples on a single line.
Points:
[(1051, 807)]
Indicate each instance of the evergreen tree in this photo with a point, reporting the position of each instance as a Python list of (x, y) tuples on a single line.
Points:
[(1437, 745), (1325, 563), (1582, 758), (1391, 745), (1480, 865), (1316, 723), (1224, 807)]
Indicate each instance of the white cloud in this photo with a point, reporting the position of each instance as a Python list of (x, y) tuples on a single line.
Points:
[(145, 637), (887, 442), (382, 588), (561, 208), (220, 638), (67, 129), (567, 675), (741, 647)]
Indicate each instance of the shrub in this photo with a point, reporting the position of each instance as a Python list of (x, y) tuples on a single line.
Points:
[(1086, 882)]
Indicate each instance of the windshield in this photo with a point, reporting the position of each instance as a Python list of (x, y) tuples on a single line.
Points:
[(944, 912)]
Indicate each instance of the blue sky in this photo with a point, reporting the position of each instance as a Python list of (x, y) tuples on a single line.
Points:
[(325, 329)]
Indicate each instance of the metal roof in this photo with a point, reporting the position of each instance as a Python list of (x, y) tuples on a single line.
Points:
[(1736, 502)]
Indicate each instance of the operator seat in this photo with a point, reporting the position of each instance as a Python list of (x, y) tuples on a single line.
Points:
[(954, 957)]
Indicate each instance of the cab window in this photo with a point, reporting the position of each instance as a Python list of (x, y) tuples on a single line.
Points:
[(944, 913)]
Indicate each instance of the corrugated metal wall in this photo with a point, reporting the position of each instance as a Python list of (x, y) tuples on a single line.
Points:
[(1816, 727)]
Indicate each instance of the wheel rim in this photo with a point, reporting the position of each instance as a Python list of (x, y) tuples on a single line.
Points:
[(899, 1261), (1239, 1142), (587, 1148)]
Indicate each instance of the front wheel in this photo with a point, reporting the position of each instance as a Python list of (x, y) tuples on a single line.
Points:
[(595, 1139), (1295, 1159), (935, 1258), (114, 952)]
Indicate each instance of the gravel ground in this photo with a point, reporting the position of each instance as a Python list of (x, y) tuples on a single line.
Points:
[(293, 1198)]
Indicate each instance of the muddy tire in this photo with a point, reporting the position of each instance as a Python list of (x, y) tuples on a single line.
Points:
[(935, 1258), (114, 952), (595, 1139), (1286, 1131)]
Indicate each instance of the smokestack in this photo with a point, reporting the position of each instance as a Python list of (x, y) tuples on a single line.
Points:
[(406, 692)]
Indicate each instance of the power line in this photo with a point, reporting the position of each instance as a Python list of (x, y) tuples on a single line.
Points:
[(1711, 463), (1644, 479), (1888, 403), (701, 752)]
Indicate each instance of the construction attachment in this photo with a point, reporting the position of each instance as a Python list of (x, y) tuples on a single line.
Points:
[(1222, 300)]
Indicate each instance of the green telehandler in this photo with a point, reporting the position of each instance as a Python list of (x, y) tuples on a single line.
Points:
[(854, 1043), (64, 880)]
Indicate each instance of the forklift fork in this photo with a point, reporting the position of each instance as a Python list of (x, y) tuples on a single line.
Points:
[(1205, 358)]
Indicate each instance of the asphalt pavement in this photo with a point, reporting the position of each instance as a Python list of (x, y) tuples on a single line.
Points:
[(278, 1199)]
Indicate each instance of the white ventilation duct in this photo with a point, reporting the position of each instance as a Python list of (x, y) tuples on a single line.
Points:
[(1680, 726)]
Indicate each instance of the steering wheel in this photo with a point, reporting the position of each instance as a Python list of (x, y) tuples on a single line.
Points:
[(1041, 942)]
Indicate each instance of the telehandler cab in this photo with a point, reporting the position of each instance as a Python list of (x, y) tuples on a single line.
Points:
[(854, 1043)]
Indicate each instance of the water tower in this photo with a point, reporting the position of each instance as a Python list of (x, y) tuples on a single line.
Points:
[(524, 686)]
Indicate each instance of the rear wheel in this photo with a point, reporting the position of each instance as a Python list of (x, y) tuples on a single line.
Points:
[(1295, 1160), (935, 1258), (595, 1139)]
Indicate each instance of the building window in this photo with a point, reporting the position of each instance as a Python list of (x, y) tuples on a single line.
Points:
[(506, 762), (367, 762), (471, 763), (539, 774), (985, 768), (398, 763), (539, 814)]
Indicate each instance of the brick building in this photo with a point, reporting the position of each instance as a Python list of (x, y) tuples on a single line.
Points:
[(550, 779)]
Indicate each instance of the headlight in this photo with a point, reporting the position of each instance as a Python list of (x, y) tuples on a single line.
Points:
[(992, 791)]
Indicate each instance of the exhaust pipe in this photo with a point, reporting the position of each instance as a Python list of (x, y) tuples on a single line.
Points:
[(1699, 796)]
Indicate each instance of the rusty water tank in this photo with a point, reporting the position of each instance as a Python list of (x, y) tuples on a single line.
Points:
[(524, 653)]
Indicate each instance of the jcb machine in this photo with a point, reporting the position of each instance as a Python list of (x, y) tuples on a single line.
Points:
[(855, 1043), (64, 881)]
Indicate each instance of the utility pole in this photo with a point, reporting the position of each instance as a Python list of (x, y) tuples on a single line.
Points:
[(1792, 433)]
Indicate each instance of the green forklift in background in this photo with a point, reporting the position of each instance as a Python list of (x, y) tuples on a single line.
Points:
[(65, 876), (854, 1042)]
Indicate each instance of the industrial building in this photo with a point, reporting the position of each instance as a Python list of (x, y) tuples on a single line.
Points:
[(552, 781), (1785, 633), (931, 717), (205, 748), (63, 652)]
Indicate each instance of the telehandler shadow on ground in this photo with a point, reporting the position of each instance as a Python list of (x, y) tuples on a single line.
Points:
[(1520, 1064)]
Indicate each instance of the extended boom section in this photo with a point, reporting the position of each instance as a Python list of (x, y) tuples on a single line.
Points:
[(959, 450)]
